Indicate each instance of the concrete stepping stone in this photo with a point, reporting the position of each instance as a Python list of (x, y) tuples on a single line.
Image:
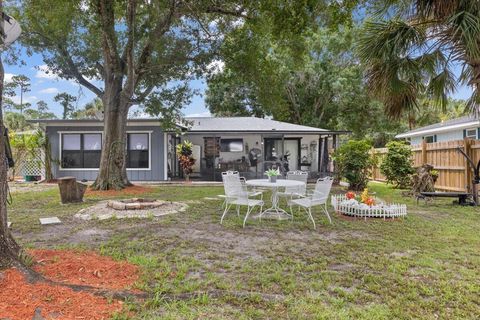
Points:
[(49, 220)]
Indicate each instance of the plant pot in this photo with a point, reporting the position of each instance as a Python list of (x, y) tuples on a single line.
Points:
[(272, 179)]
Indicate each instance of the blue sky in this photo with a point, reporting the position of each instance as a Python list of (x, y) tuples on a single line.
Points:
[(44, 86)]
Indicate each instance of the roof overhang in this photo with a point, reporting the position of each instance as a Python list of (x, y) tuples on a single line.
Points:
[(466, 125), (322, 132), (153, 122)]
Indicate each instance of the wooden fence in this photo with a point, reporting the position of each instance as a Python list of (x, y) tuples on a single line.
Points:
[(455, 173)]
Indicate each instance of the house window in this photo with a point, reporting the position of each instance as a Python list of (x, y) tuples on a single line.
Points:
[(138, 150), (81, 150), (231, 145), (429, 139), (471, 133)]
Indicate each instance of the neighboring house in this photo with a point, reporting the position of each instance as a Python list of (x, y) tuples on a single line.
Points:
[(246, 144), (455, 129)]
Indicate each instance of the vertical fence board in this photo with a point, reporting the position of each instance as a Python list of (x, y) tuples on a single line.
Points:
[(453, 169)]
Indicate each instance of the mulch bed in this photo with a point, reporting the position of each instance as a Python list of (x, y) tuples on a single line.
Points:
[(19, 299), (128, 191)]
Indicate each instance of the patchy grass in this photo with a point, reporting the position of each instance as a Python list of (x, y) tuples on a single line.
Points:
[(425, 266)]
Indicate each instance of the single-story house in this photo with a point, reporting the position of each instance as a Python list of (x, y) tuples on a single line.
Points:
[(246, 144), (455, 129)]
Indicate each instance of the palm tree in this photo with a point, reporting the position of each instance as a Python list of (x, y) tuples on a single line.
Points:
[(410, 46)]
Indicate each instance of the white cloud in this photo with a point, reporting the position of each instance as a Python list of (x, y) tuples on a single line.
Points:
[(26, 99), (216, 66), (43, 72), (49, 91), (8, 77)]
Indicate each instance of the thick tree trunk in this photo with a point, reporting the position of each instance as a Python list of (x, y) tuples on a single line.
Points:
[(113, 172), (9, 249)]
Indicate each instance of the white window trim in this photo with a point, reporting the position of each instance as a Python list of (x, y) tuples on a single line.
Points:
[(428, 136), (149, 152), (471, 137), (60, 143), (233, 138), (60, 168)]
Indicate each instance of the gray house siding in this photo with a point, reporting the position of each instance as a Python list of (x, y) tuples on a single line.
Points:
[(157, 154)]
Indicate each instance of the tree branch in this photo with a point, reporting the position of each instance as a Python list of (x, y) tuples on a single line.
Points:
[(105, 9), (160, 29), (75, 73), (141, 97), (240, 13), (128, 53)]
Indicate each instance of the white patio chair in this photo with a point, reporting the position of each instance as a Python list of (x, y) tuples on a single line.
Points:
[(238, 196), (251, 193), (295, 191), (318, 197)]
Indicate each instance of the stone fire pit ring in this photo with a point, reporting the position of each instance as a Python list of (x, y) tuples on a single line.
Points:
[(135, 204)]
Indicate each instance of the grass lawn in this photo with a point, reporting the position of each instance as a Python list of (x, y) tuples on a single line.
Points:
[(426, 266)]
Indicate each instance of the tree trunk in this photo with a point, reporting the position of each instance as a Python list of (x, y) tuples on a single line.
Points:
[(113, 168), (9, 249), (71, 190)]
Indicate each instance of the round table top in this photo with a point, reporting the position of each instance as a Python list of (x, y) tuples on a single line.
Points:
[(278, 183)]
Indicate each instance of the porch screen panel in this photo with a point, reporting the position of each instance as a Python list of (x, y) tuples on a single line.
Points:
[(138, 150)]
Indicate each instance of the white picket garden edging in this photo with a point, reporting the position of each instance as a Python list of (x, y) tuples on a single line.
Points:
[(355, 209)]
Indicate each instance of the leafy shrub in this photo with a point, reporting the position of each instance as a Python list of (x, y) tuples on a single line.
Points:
[(397, 164), (184, 153), (353, 162)]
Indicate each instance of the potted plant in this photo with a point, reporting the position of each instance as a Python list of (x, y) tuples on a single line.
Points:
[(184, 153), (272, 175)]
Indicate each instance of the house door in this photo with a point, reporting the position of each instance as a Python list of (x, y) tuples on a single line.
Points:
[(292, 151), (280, 151)]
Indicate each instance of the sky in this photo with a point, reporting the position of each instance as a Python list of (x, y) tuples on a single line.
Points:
[(44, 86)]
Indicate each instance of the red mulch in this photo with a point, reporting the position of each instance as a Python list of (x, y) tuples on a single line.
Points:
[(128, 191), (19, 299), (84, 267)]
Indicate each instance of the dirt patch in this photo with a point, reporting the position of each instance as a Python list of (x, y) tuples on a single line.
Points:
[(102, 211), (128, 191), (20, 299)]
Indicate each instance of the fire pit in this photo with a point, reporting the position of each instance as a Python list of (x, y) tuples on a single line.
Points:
[(130, 208), (135, 204)]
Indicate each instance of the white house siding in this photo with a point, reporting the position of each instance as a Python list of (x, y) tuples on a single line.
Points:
[(441, 136), (157, 151)]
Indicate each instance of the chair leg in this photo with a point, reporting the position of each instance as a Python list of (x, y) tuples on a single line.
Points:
[(249, 209), (326, 212), (227, 207), (309, 211)]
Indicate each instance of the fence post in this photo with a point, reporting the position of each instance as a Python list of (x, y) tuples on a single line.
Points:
[(468, 172), (424, 152)]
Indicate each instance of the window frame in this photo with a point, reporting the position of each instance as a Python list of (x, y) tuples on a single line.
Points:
[(60, 133), (149, 134), (60, 149), (232, 139), (430, 136), (475, 136)]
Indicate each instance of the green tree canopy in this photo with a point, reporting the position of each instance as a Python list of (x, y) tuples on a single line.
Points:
[(410, 47), (67, 101)]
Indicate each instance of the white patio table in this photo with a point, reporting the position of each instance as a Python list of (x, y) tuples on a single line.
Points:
[(274, 211)]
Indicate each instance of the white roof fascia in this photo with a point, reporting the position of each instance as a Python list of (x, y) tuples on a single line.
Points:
[(438, 130)]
